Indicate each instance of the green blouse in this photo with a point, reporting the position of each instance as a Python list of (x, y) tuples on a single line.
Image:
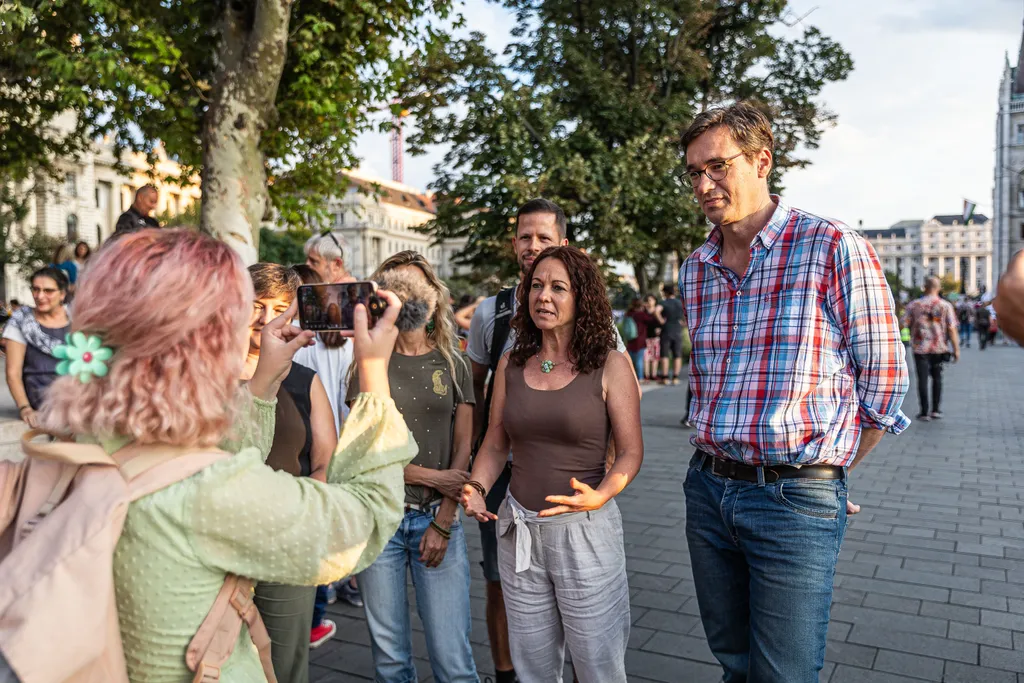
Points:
[(239, 516)]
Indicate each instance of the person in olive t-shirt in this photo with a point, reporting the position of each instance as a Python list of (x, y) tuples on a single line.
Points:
[(433, 389)]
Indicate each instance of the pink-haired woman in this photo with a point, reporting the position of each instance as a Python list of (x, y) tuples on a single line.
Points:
[(175, 308)]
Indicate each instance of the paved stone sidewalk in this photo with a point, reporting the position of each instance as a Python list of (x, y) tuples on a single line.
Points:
[(930, 584)]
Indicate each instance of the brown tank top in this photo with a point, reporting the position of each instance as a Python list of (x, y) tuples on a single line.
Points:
[(556, 435)]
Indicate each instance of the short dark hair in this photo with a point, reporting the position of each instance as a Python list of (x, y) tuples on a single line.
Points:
[(749, 126), (307, 274), (274, 281), (668, 289), (541, 205), (55, 274)]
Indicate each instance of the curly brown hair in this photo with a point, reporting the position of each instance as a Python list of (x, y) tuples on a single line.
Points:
[(594, 335)]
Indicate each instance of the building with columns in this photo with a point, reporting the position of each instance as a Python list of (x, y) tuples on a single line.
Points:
[(942, 245), (380, 217), (1008, 190)]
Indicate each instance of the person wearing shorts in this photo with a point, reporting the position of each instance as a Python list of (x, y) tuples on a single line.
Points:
[(671, 335)]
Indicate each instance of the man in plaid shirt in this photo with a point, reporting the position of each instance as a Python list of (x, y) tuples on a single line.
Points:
[(797, 371)]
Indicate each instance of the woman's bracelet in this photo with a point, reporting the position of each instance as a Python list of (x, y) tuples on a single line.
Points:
[(478, 486), (445, 533), (22, 409)]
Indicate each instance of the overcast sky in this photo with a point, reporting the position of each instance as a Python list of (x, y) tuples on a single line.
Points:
[(916, 130)]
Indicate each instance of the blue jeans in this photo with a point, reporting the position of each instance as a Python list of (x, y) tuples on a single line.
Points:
[(442, 600), (638, 362), (965, 334), (763, 558)]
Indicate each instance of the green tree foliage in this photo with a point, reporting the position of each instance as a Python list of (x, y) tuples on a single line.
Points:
[(256, 96), (285, 246), (587, 108), (32, 251)]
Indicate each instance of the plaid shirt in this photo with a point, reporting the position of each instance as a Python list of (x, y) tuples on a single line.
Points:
[(790, 361)]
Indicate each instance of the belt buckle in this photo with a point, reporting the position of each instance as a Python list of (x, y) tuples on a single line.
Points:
[(724, 468)]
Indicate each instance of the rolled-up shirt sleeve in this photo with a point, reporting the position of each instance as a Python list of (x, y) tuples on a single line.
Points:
[(861, 304)]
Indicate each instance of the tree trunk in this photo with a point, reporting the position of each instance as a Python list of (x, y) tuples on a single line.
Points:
[(250, 61), (642, 281)]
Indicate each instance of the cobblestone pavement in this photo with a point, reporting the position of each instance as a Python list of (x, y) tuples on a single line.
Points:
[(930, 585)]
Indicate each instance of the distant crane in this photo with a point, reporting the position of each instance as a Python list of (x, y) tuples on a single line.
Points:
[(398, 144)]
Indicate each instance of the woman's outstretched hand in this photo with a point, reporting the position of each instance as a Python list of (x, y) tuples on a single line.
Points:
[(585, 499), (475, 505), (373, 345), (279, 340)]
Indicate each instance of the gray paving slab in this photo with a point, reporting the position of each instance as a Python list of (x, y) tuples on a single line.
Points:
[(930, 585)]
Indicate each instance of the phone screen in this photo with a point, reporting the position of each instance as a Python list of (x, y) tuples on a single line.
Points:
[(332, 306)]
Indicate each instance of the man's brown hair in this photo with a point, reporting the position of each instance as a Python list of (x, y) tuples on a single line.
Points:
[(272, 281), (749, 127)]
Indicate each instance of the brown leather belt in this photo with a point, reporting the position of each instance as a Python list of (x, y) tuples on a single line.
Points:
[(734, 469)]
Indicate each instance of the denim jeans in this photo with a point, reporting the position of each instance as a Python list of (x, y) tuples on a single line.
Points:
[(442, 600), (965, 334), (638, 361), (764, 558)]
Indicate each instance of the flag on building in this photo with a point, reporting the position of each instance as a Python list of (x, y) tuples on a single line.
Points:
[(969, 208)]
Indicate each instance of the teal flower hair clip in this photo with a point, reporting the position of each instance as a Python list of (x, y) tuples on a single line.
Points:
[(82, 357)]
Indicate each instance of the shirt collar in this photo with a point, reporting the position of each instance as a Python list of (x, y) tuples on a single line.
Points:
[(768, 234)]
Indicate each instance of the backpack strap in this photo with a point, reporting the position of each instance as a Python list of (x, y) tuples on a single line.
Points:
[(499, 336), (502, 325), (215, 640)]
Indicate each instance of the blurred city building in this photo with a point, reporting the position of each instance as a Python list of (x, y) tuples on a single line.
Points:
[(941, 245), (1008, 191)]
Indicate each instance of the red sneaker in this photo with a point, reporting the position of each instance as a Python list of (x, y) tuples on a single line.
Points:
[(319, 635)]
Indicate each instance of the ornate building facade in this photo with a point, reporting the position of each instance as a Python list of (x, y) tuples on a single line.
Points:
[(1008, 190)]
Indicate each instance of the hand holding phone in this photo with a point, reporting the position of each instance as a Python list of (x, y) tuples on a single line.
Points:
[(331, 307), (373, 345)]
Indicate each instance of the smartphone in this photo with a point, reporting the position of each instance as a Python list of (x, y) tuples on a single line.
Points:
[(332, 306)]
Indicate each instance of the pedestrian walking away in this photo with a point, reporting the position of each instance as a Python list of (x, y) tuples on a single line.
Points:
[(560, 547), (671, 336), (933, 332), (433, 390), (798, 370), (965, 318)]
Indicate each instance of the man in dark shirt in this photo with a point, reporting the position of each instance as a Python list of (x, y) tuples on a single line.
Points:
[(671, 335), (137, 216)]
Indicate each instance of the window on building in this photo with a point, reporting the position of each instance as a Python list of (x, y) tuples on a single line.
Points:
[(96, 196), (1022, 231), (72, 227), (1020, 134), (339, 220), (99, 234), (71, 185)]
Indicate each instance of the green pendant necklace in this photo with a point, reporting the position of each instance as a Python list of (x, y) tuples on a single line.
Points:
[(547, 366)]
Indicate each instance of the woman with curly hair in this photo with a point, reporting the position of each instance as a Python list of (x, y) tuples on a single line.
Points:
[(560, 552)]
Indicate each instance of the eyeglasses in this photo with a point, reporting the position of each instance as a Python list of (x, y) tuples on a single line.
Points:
[(716, 170), (40, 290)]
